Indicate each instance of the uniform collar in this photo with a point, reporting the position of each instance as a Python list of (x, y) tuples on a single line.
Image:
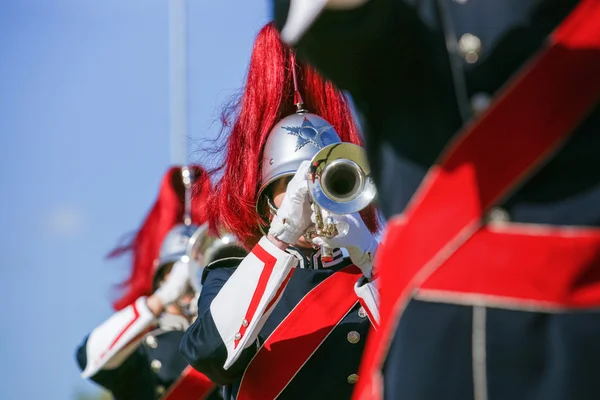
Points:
[(313, 261)]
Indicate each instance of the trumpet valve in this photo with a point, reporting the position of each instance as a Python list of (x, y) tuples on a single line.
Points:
[(330, 228)]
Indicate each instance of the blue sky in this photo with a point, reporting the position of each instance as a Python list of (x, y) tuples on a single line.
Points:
[(84, 138)]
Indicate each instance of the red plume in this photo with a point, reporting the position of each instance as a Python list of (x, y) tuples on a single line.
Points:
[(267, 98), (166, 212)]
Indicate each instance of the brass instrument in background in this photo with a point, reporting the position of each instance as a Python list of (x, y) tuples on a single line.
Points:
[(205, 248), (339, 182)]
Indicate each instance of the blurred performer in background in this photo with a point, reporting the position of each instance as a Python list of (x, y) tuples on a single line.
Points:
[(283, 322), (134, 354), (482, 126), (168, 211)]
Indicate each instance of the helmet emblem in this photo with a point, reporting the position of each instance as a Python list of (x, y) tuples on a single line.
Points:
[(308, 133)]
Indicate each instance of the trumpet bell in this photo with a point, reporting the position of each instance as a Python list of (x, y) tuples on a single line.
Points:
[(340, 179)]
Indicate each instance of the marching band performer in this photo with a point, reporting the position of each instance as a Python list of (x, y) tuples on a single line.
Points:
[(481, 121), (134, 353), (283, 322)]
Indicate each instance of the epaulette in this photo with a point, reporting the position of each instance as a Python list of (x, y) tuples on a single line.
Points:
[(228, 262)]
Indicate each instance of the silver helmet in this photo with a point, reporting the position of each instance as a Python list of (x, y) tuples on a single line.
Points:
[(175, 245), (173, 249), (294, 139)]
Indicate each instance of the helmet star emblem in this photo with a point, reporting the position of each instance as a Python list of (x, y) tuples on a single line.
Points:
[(308, 133)]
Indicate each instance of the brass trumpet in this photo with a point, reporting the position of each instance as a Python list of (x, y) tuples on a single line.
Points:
[(339, 182)]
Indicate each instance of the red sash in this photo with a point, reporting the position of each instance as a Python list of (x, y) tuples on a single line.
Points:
[(440, 248), (299, 335), (192, 385)]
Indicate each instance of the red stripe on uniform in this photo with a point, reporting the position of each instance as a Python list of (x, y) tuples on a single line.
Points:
[(280, 290), (473, 175), (516, 268), (369, 314), (136, 315), (299, 335), (192, 385), (269, 263)]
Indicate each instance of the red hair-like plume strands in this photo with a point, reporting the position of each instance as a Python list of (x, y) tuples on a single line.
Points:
[(166, 212), (268, 97)]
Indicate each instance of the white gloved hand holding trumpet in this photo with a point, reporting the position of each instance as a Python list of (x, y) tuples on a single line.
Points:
[(354, 236)]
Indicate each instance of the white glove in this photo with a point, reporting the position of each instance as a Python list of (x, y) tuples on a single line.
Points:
[(175, 285), (302, 14), (355, 237), (293, 216)]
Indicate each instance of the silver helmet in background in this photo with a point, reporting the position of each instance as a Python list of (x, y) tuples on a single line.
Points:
[(204, 248), (173, 249)]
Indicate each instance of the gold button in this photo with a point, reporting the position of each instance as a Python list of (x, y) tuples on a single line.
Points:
[(237, 336), (362, 313), (480, 102), (469, 46), (151, 341), (352, 379), (160, 389), (155, 365), (244, 323), (498, 215), (353, 337)]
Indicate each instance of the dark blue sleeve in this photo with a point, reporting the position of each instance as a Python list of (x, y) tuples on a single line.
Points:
[(202, 345), (128, 381)]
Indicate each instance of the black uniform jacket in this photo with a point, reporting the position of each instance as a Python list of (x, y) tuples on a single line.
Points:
[(394, 57), (149, 372), (330, 373)]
